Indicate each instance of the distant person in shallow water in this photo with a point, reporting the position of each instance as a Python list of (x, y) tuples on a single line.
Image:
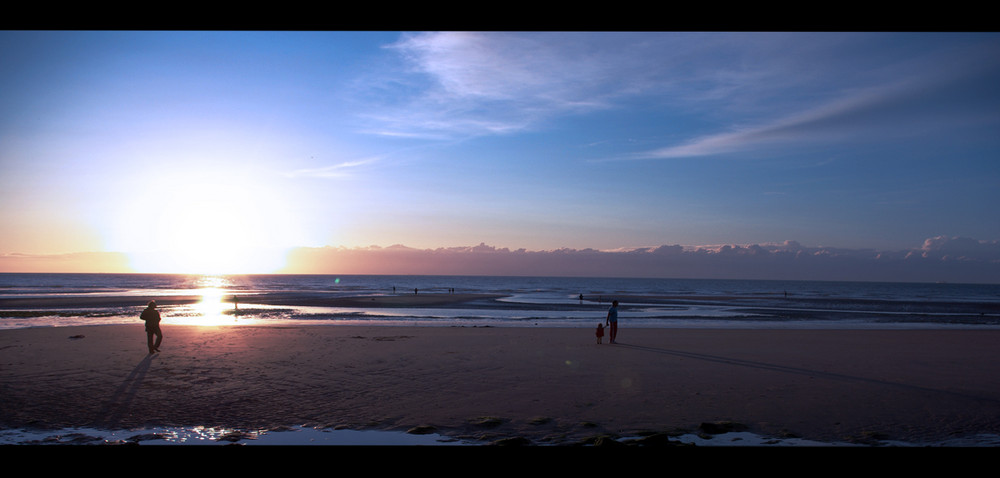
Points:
[(612, 321), (152, 318)]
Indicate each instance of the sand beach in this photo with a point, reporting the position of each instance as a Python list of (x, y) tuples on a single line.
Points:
[(531, 385)]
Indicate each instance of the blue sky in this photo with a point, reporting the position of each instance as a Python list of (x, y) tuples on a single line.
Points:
[(157, 144)]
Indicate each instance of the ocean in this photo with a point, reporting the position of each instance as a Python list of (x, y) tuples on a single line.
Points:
[(54, 300)]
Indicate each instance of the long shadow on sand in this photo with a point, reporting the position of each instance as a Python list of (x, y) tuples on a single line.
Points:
[(120, 402), (801, 371)]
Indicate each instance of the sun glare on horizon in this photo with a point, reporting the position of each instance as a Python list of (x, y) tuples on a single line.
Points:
[(212, 224)]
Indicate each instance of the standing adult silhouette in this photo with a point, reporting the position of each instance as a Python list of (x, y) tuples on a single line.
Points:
[(152, 318), (612, 321)]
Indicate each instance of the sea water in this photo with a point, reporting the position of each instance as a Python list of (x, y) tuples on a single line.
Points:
[(52, 300)]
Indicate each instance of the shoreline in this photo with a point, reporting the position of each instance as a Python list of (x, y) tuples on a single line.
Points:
[(282, 298), (545, 385), (488, 309)]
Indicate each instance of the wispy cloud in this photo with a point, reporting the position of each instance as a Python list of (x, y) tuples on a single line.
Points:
[(771, 88), (335, 171), (497, 83), (939, 92), (825, 123)]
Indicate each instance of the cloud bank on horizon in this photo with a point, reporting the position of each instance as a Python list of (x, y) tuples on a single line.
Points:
[(184, 148), (939, 259)]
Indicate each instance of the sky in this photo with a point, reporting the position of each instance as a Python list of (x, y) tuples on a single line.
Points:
[(328, 152)]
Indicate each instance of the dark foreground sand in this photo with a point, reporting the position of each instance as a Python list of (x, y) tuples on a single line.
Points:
[(547, 385)]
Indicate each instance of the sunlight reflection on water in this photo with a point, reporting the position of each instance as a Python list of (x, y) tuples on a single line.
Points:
[(218, 305), (211, 304), (225, 436)]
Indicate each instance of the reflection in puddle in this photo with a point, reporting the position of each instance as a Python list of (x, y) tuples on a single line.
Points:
[(211, 305), (217, 306), (223, 436)]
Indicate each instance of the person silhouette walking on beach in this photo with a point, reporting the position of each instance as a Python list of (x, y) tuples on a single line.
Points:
[(152, 318), (612, 321), (600, 332)]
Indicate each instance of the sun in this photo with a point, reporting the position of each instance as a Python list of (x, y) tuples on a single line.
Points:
[(208, 233), (209, 224)]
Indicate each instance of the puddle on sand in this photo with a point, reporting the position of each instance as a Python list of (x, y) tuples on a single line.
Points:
[(223, 436)]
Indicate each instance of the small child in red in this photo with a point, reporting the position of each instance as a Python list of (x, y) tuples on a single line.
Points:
[(600, 332)]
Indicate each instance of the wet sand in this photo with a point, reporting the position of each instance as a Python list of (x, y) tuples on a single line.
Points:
[(546, 385)]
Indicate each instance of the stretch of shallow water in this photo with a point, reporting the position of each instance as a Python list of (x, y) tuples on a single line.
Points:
[(46, 300)]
